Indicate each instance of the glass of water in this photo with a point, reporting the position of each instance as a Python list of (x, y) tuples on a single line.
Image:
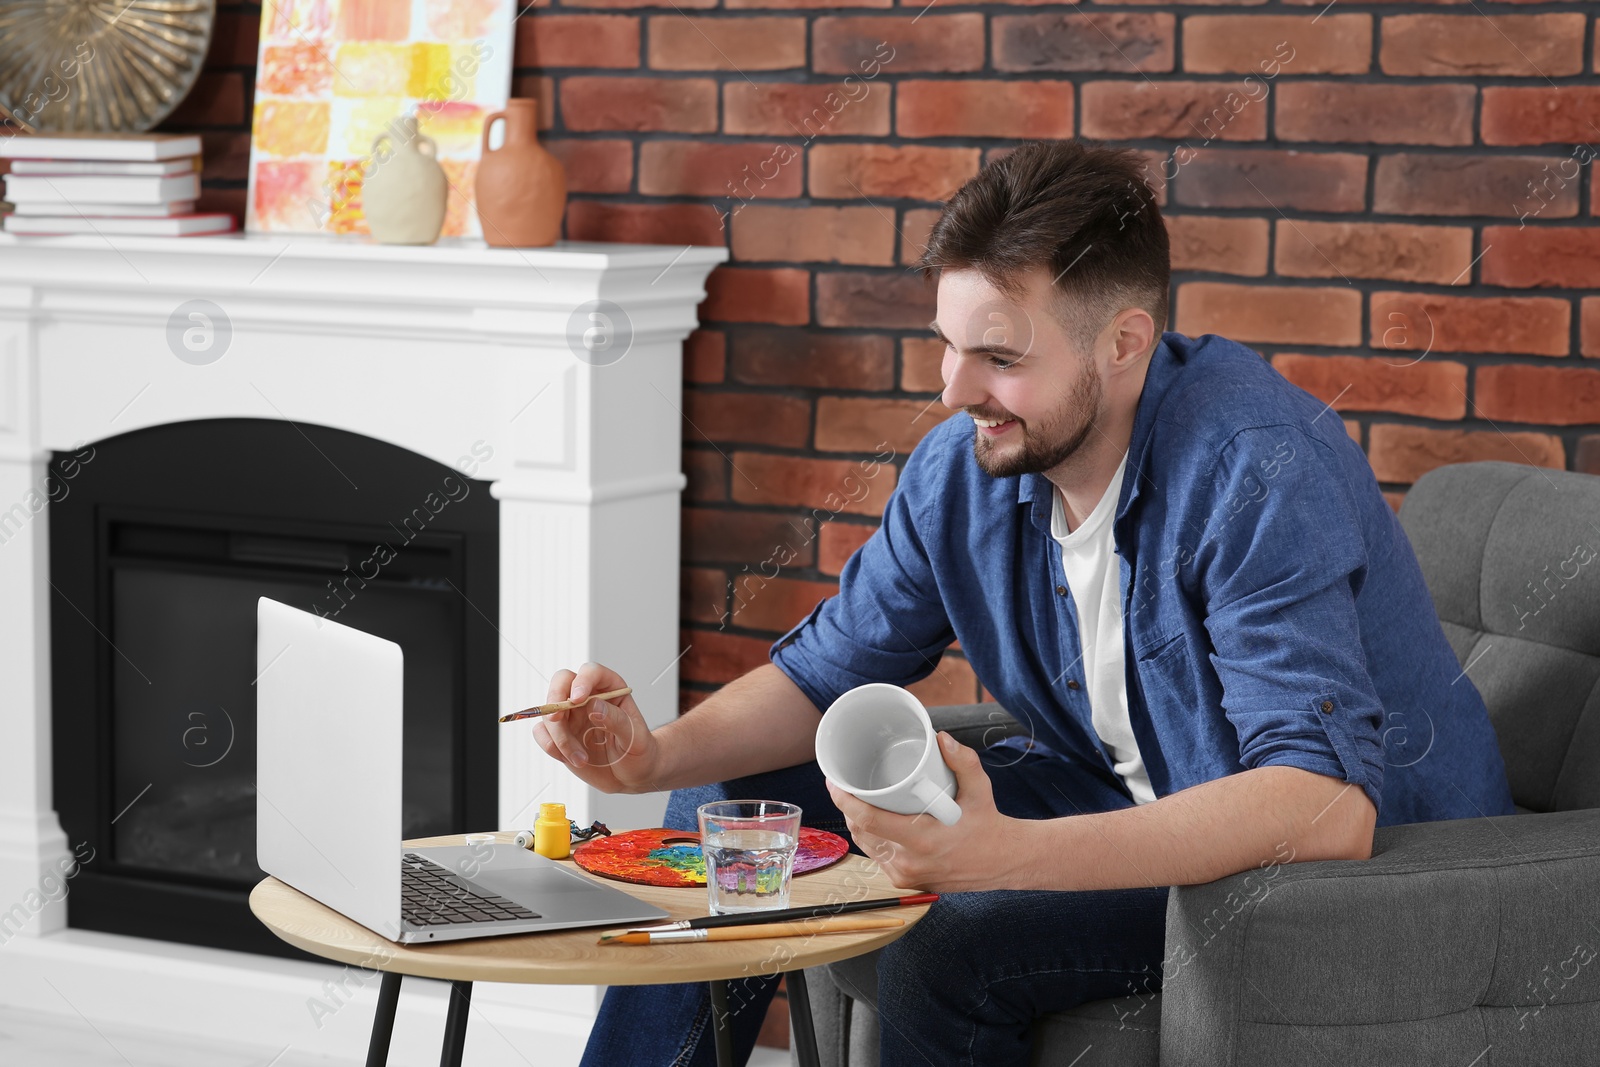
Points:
[(749, 846)]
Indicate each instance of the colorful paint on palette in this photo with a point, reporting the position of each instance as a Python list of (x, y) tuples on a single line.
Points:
[(672, 857), (334, 74)]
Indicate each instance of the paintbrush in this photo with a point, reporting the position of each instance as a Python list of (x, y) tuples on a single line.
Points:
[(564, 705), (809, 911), (794, 928)]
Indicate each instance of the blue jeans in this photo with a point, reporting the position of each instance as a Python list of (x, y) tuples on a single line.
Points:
[(963, 985)]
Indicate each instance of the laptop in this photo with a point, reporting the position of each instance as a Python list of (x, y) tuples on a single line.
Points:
[(328, 773)]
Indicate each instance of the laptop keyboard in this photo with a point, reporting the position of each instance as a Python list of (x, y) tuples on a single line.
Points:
[(429, 897)]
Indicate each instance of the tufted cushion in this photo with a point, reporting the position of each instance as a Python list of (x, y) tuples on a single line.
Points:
[(1511, 555)]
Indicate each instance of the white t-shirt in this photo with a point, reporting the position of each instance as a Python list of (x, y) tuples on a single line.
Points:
[(1094, 577)]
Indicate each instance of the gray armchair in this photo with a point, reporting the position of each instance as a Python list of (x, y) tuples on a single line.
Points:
[(1467, 943)]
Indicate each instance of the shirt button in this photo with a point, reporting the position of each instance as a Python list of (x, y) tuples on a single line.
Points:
[(1071, 684), (1061, 589), (1327, 706)]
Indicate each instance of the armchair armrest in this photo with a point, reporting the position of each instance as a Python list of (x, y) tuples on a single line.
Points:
[(1454, 935), (975, 725)]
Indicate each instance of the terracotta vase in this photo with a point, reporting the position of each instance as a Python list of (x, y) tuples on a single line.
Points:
[(521, 188), (403, 189)]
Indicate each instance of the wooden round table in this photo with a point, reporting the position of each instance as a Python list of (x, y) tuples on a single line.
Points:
[(575, 956)]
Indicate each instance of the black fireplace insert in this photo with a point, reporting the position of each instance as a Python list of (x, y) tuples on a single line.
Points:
[(158, 554)]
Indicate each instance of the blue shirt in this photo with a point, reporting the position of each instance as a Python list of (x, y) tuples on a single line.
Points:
[(1274, 613)]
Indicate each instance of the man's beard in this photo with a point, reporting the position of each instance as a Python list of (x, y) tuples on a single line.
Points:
[(1054, 441)]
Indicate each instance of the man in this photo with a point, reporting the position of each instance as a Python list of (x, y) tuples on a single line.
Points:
[(1175, 568)]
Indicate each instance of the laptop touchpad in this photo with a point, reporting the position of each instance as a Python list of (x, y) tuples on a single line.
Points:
[(544, 891)]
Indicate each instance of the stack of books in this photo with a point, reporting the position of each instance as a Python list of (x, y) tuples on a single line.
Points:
[(106, 184)]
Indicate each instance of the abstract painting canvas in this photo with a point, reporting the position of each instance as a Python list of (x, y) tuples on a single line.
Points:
[(334, 74)]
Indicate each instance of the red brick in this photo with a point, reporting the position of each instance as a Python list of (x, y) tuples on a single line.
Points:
[(1393, 499), (1549, 114), (748, 294), (776, 604), (1439, 184), (1225, 245), (912, 172), (1479, 45), (921, 360), (217, 99), (705, 356), (679, 42), (1077, 40), (737, 5), (235, 39), (222, 201), (714, 656), (915, 225), (1270, 314), (1177, 110), (1396, 251), (1566, 257), (866, 45), (633, 3), (1514, 392), (791, 109), (1155, 173), (950, 682), (1375, 114), (1589, 327), (1429, 322), (682, 105), (826, 234), (869, 424), (594, 166), (656, 224), (703, 594), (225, 156), (722, 535), (1434, 389), (1405, 453), (810, 359), (1302, 44), (878, 301), (1270, 180), (707, 472), (746, 418), (1586, 457), (747, 170), (974, 108), (577, 41), (838, 542), (832, 486), (1200, 3), (540, 87)]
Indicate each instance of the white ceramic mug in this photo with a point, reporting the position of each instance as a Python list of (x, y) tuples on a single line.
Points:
[(877, 743)]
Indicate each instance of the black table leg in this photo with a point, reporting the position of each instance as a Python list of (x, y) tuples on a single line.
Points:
[(383, 1021), (722, 1023), (802, 1027), (455, 1024)]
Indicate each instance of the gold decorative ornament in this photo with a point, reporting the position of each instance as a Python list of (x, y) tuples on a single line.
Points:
[(104, 66)]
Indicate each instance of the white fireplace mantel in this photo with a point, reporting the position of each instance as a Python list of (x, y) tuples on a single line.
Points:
[(455, 351)]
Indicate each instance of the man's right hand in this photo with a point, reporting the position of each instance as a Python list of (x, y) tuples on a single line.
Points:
[(606, 743)]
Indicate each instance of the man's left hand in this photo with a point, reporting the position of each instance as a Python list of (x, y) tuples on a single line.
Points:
[(981, 851)]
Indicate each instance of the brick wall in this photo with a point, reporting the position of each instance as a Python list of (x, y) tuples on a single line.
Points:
[(1393, 205)]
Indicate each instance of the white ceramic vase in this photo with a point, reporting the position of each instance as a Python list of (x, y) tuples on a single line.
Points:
[(403, 189)]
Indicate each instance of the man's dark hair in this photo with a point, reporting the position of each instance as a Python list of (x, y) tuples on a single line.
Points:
[(1078, 209)]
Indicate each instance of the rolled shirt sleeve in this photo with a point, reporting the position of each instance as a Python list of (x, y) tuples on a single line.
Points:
[(887, 623), (1280, 590)]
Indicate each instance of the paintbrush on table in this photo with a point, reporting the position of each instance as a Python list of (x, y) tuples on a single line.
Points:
[(565, 705), (774, 915), (793, 928)]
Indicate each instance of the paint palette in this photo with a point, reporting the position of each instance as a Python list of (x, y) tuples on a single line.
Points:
[(672, 857)]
